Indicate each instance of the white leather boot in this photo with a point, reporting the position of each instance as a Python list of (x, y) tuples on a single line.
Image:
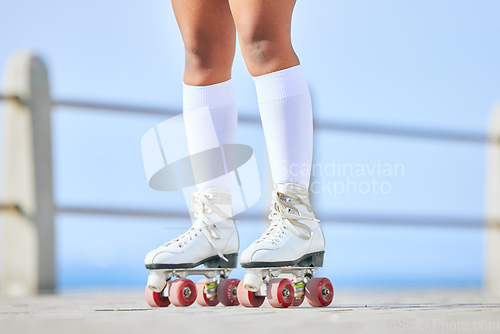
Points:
[(212, 240), (294, 237)]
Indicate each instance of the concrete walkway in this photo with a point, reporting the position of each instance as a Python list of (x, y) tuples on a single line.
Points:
[(351, 312)]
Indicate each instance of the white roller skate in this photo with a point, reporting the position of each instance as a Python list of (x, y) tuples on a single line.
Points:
[(281, 264), (212, 241)]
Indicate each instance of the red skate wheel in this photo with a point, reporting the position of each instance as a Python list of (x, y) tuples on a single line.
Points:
[(319, 291), (227, 292), (280, 292), (298, 301), (182, 292), (155, 299), (201, 297), (248, 298)]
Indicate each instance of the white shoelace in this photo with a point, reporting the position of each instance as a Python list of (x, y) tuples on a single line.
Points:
[(285, 215), (201, 205)]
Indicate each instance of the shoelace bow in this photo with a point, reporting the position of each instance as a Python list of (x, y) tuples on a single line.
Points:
[(284, 214), (202, 204)]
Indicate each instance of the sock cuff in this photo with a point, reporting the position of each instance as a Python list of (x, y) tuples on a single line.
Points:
[(212, 96), (281, 84)]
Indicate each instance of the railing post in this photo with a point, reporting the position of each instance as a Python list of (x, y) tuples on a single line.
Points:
[(27, 216), (492, 234)]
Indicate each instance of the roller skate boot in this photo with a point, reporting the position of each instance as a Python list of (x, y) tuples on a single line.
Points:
[(281, 264), (208, 248)]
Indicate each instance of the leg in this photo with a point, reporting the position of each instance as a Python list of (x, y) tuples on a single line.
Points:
[(210, 116), (294, 237), (264, 33), (208, 32), (285, 106)]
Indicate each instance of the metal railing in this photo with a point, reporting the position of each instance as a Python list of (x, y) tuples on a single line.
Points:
[(392, 131), (324, 125), (41, 103)]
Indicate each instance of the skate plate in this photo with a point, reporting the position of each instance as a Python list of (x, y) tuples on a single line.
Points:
[(294, 274), (167, 275), (162, 289), (284, 287)]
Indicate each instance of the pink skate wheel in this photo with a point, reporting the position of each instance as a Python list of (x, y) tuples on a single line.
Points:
[(248, 298), (155, 299), (280, 292), (182, 292), (227, 292), (298, 301), (201, 297), (319, 291)]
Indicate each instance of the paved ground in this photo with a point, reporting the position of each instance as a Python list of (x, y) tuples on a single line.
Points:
[(352, 312)]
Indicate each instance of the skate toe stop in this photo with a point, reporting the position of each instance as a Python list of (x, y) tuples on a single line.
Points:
[(156, 283), (252, 282)]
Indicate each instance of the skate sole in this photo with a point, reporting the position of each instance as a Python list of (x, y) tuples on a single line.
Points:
[(309, 260), (212, 262)]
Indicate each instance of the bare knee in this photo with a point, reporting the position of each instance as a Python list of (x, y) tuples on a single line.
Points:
[(267, 53), (258, 50), (208, 60)]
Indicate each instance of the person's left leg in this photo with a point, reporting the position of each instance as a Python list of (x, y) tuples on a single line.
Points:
[(294, 236), (285, 106), (264, 34)]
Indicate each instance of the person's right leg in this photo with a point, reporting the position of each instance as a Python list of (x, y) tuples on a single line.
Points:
[(210, 116), (209, 35)]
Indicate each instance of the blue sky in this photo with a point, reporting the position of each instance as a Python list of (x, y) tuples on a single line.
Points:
[(431, 64)]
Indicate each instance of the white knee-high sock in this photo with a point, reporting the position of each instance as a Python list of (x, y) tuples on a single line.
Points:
[(286, 113), (210, 117)]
